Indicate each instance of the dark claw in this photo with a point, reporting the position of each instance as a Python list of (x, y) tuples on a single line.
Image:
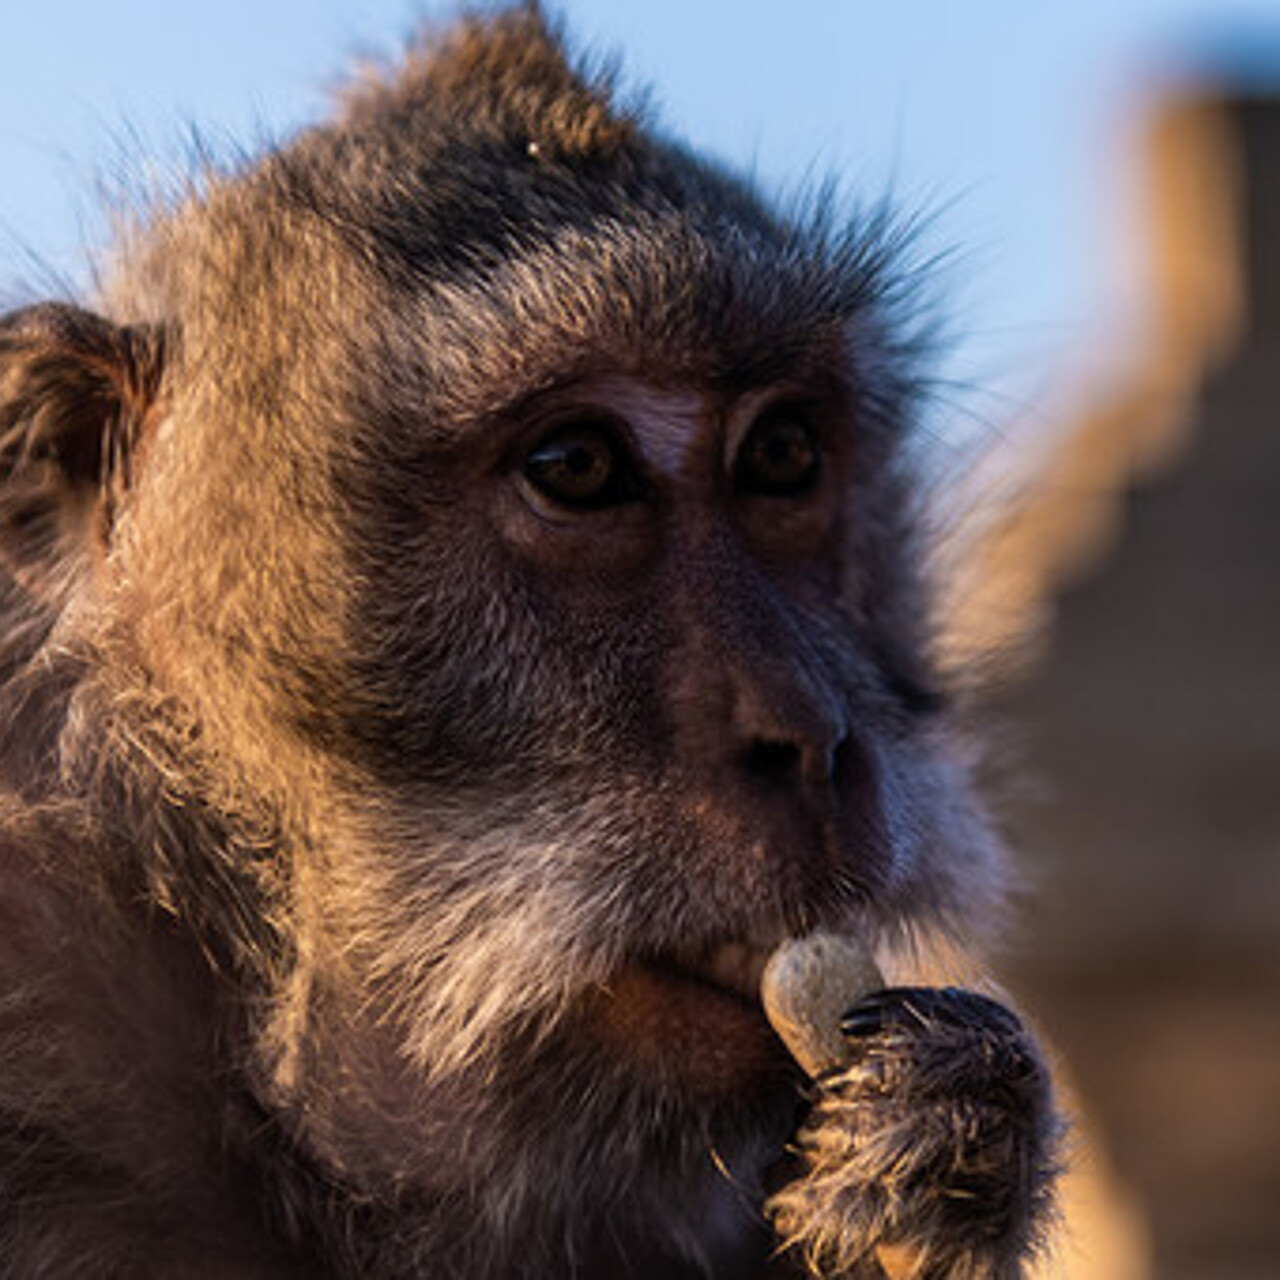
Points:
[(881, 1009), (948, 1007), (862, 1020)]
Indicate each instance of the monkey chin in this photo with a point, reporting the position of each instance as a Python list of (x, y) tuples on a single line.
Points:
[(694, 1027)]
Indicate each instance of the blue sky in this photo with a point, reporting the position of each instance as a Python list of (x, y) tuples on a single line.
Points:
[(1014, 120)]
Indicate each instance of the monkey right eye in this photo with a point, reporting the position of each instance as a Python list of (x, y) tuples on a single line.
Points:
[(583, 467)]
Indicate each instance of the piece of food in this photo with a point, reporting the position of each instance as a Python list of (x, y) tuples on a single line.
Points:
[(808, 985)]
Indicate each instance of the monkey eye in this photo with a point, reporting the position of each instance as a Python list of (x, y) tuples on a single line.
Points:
[(583, 466), (780, 456)]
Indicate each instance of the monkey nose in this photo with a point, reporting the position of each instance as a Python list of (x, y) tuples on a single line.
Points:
[(789, 738)]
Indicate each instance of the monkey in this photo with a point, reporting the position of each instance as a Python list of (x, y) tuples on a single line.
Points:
[(463, 606)]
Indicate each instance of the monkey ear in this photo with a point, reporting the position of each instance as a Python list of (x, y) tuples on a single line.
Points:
[(76, 395)]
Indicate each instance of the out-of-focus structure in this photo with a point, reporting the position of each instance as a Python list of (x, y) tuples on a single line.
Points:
[(1138, 583)]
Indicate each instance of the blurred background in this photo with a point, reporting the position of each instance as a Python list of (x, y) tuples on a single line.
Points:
[(1101, 181)]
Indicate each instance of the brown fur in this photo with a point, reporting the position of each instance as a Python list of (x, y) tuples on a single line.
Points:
[(369, 813)]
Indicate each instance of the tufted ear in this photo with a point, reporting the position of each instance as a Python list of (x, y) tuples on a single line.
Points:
[(77, 393)]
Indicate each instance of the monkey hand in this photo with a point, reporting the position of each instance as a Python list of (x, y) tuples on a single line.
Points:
[(931, 1151)]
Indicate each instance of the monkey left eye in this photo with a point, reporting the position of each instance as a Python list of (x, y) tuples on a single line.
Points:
[(780, 457), (583, 467)]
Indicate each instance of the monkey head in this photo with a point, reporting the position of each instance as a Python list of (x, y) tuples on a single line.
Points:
[(483, 530)]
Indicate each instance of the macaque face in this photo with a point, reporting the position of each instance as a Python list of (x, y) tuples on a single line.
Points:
[(675, 698), (640, 701)]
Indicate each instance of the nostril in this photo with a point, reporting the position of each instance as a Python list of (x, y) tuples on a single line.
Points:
[(847, 760), (774, 761)]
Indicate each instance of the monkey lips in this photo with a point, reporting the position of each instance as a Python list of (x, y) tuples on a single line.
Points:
[(692, 1022), (723, 1019)]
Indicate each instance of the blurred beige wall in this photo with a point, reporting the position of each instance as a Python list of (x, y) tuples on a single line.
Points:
[(1135, 586)]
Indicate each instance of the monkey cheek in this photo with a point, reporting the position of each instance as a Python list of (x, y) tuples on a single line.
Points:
[(682, 1034)]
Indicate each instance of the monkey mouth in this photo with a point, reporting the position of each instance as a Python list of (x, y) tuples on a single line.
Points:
[(734, 968), (693, 1018)]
